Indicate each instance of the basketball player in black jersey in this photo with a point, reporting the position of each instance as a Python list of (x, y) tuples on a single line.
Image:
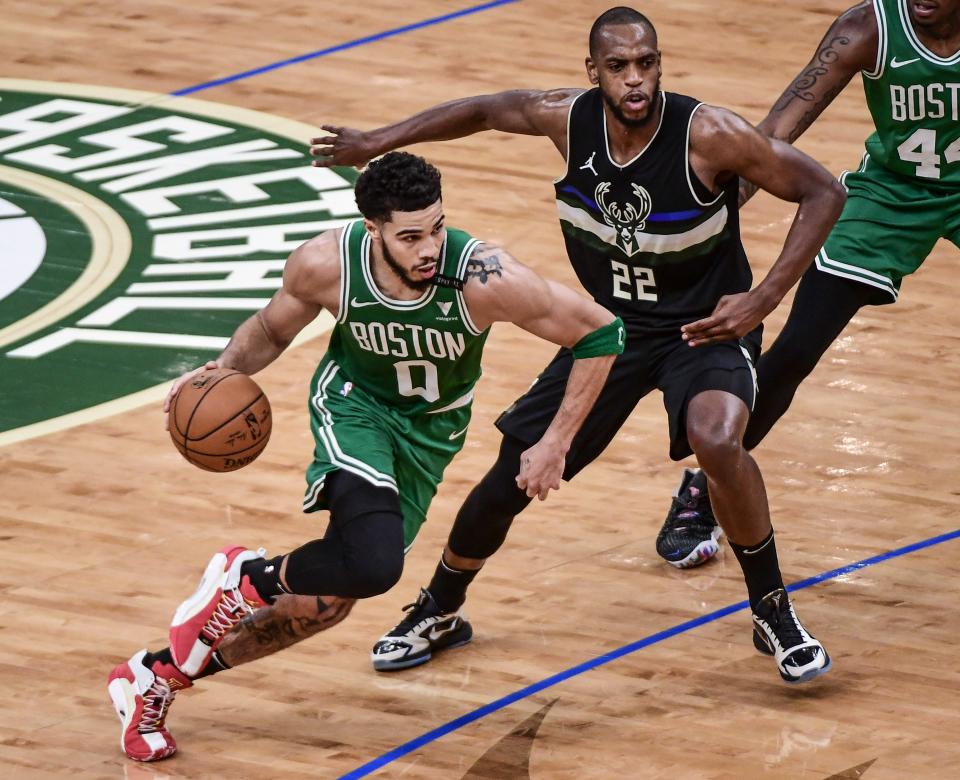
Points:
[(648, 208)]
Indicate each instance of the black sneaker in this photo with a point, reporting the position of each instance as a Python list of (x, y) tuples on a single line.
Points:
[(777, 631), (424, 630), (690, 534)]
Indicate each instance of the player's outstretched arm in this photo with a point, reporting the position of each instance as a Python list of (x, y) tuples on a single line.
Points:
[(311, 279), (723, 145), (521, 111), (850, 45), (500, 289)]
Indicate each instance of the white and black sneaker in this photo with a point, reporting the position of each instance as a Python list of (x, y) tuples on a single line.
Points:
[(777, 631), (690, 535), (414, 639)]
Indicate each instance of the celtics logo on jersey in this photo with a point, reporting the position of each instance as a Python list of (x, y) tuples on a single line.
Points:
[(137, 231), (629, 219)]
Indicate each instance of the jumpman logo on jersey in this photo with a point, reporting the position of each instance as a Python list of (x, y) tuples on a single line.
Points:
[(588, 165)]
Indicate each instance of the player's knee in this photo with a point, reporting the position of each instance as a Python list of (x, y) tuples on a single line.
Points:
[(375, 573), (718, 445)]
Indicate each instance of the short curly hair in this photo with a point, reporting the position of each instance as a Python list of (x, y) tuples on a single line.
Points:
[(398, 181)]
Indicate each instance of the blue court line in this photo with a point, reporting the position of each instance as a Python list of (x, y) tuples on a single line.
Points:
[(343, 46), (613, 655)]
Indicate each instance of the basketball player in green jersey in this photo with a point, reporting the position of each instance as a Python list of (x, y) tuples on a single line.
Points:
[(389, 408), (903, 198), (648, 209)]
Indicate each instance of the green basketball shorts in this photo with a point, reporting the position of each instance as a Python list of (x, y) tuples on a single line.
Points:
[(355, 431), (888, 228)]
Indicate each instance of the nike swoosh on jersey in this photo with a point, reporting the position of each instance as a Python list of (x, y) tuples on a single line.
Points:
[(895, 63), (458, 434), (357, 304)]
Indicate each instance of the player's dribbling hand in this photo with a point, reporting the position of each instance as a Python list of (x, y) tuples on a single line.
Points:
[(734, 316), (208, 366), (541, 467), (344, 146)]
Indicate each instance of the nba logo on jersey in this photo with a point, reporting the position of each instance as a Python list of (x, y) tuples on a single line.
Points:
[(628, 221)]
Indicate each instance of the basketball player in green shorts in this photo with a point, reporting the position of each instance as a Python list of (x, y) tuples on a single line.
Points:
[(389, 408), (904, 196), (648, 208)]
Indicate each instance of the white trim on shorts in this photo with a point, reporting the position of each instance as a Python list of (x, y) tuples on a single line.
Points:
[(329, 440)]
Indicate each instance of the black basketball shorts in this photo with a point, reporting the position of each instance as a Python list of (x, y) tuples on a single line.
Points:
[(661, 361)]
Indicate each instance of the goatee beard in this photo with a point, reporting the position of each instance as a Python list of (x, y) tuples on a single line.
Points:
[(633, 123), (417, 285)]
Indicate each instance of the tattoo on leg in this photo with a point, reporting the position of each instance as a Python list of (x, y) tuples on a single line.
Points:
[(289, 620)]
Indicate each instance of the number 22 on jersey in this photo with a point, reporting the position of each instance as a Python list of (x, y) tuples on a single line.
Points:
[(643, 282)]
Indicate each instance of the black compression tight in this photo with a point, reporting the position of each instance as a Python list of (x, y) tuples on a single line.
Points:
[(361, 554), (823, 306), (485, 517)]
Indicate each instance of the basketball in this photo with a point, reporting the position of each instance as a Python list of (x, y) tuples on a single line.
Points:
[(220, 420)]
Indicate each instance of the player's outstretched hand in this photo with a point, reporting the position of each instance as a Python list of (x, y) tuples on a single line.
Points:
[(541, 467), (344, 146), (733, 317), (208, 366)]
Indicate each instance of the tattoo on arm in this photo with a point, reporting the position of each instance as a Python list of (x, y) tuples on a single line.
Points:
[(803, 87), (483, 265)]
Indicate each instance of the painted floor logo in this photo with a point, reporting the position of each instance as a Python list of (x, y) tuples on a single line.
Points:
[(136, 232)]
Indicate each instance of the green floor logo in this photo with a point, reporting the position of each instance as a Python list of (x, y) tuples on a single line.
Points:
[(136, 232)]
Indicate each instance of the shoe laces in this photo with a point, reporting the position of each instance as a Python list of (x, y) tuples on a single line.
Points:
[(686, 512), (230, 610), (156, 701), (416, 612), (784, 622)]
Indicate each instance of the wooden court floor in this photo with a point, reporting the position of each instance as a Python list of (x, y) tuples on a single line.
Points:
[(104, 528)]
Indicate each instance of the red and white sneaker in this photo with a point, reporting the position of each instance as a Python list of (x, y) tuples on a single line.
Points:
[(142, 697), (221, 600)]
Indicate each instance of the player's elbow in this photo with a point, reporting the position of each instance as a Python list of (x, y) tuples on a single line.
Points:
[(489, 109), (826, 194), (837, 195)]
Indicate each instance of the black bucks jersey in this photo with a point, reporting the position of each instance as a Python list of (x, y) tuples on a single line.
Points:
[(647, 239)]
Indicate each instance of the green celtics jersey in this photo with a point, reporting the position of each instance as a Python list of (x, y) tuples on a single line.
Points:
[(913, 96), (415, 356)]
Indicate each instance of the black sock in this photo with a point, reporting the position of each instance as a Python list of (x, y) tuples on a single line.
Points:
[(449, 585), (216, 664), (163, 656), (264, 574), (761, 569)]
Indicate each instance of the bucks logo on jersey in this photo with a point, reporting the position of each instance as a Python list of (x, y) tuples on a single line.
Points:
[(646, 238), (914, 98), (418, 356), (628, 219)]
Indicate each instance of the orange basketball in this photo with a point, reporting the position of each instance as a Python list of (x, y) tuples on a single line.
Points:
[(220, 420)]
